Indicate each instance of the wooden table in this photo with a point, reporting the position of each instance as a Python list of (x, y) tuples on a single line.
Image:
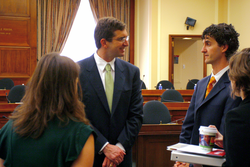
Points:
[(155, 94), (177, 110), (3, 95), (5, 110), (151, 144)]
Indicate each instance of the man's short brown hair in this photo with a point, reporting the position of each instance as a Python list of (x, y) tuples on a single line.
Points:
[(105, 28)]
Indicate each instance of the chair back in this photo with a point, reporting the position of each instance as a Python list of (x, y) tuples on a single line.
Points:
[(6, 83), (191, 83), (155, 112), (143, 86), (16, 93), (171, 95), (165, 85)]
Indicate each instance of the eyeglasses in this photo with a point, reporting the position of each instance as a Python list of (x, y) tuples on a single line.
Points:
[(122, 39)]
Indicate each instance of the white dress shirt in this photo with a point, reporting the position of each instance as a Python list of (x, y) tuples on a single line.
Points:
[(219, 74), (101, 64)]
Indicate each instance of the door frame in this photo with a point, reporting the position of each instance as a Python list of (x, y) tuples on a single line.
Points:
[(171, 55)]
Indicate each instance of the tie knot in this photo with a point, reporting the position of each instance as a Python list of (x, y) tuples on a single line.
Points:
[(212, 80), (108, 67)]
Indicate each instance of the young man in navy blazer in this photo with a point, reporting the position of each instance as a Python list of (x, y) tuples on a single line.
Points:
[(117, 127), (219, 43)]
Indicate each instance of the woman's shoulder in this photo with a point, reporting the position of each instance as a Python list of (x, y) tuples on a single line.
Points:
[(80, 127), (243, 107), (7, 126), (68, 131), (239, 113), (67, 127)]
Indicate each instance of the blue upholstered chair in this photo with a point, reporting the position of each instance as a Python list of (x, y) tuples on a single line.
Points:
[(155, 112)]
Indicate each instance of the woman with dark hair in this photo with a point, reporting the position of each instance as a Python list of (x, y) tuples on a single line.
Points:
[(50, 127), (237, 122)]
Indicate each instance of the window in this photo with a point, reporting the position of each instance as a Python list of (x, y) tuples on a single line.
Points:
[(80, 43)]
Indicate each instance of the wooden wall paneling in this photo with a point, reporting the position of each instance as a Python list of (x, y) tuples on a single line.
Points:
[(15, 62), (151, 144), (14, 31), (18, 39), (15, 8), (33, 35), (156, 146)]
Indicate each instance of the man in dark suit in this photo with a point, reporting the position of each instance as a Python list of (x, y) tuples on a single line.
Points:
[(219, 43), (117, 122)]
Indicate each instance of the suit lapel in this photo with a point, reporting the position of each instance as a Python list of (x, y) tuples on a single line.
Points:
[(217, 88), (119, 83), (96, 82), (202, 90)]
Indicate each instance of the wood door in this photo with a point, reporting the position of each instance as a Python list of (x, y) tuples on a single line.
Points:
[(171, 55)]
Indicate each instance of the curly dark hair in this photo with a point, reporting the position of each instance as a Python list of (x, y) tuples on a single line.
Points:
[(105, 28), (224, 34)]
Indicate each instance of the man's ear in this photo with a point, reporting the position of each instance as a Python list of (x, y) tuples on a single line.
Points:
[(104, 43), (224, 48)]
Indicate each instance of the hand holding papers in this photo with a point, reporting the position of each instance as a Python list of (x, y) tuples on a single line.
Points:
[(195, 154), (188, 148)]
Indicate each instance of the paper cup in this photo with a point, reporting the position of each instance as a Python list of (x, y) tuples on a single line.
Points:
[(207, 136)]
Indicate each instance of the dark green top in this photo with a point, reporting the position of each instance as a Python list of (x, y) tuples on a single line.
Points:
[(58, 146)]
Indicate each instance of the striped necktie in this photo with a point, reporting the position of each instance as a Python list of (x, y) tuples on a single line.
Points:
[(210, 85)]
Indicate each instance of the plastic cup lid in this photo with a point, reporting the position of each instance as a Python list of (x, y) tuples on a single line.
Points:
[(207, 129)]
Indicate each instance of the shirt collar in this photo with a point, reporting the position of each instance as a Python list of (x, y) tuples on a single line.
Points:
[(101, 64), (220, 73)]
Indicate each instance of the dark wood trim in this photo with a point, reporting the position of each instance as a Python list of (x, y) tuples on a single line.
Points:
[(171, 66), (204, 68), (152, 94), (132, 31)]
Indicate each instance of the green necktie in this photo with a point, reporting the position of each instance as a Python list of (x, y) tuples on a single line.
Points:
[(109, 85)]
